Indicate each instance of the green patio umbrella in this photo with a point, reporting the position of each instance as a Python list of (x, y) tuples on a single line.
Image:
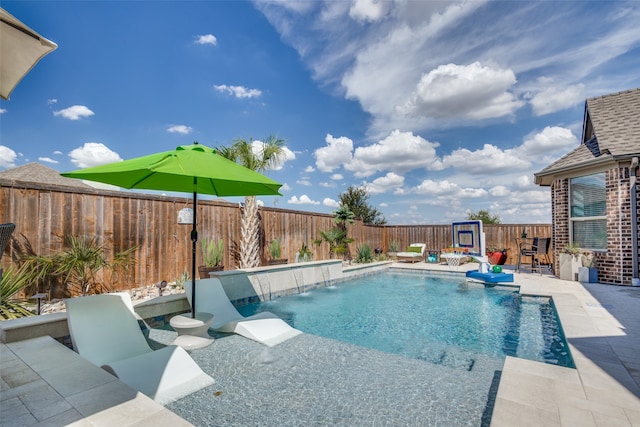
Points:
[(189, 168)]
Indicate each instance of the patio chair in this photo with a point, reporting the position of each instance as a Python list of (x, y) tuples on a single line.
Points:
[(264, 327), (414, 253), (105, 332), (538, 250)]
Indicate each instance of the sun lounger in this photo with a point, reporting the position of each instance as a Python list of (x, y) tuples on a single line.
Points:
[(414, 253), (105, 332), (265, 327)]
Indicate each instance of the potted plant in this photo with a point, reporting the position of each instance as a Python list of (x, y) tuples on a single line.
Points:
[(570, 261), (497, 256), (304, 254), (524, 233), (212, 255), (587, 272), (275, 252)]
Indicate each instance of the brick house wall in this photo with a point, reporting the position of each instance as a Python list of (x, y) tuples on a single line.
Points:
[(616, 265)]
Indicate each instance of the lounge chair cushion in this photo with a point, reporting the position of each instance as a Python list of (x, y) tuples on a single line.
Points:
[(417, 249)]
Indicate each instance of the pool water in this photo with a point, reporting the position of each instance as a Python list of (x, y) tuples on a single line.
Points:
[(439, 320)]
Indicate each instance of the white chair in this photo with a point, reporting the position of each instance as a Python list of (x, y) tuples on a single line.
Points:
[(264, 327), (105, 332)]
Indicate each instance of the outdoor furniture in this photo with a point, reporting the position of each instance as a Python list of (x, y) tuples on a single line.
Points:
[(192, 331), (538, 250), (455, 257), (105, 332), (414, 253), (264, 327)]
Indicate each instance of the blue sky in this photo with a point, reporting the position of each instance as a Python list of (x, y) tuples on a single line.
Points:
[(437, 107)]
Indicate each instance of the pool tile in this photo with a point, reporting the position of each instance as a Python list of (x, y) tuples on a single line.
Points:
[(508, 413)]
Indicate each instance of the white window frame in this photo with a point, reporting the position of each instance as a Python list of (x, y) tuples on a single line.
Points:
[(573, 220)]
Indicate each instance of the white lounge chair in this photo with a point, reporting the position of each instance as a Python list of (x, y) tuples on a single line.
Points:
[(105, 332), (264, 327), (414, 253)]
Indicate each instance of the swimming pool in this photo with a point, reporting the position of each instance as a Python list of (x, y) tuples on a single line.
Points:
[(438, 319)]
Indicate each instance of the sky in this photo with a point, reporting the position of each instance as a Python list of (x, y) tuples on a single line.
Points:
[(437, 108)]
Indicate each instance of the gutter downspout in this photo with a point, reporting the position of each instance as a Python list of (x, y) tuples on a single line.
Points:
[(633, 178)]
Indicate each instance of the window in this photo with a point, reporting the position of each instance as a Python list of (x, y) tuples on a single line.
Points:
[(588, 217)]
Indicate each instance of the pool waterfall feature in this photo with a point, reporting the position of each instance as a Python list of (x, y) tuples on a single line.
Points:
[(245, 286)]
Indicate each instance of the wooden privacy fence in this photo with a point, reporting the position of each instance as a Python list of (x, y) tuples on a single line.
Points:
[(44, 214)]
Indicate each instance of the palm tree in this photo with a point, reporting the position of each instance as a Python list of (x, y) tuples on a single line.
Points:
[(342, 217), (257, 156)]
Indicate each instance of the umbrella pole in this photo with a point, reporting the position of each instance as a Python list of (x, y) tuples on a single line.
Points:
[(194, 239)]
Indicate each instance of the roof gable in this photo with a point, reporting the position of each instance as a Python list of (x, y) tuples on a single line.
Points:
[(615, 121), (611, 129)]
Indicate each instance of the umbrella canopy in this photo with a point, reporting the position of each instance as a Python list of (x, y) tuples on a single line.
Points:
[(189, 168), (20, 50)]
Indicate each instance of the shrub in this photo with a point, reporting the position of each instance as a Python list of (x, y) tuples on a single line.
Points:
[(364, 253)]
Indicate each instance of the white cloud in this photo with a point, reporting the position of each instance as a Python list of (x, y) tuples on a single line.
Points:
[(547, 145), (474, 92), (304, 182), (181, 129), (238, 91), (7, 157), (52, 101), (337, 177), (309, 169), (207, 39), (330, 203), (285, 187), (328, 184), (552, 99), (93, 154), (367, 10), (303, 200), (385, 184), (486, 161), (57, 153), (399, 152), (75, 112), (448, 191), (337, 152), (47, 160), (3, 110)]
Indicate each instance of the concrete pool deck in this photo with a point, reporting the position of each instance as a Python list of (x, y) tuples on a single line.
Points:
[(601, 323)]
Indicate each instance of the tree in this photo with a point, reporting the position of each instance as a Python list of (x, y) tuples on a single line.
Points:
[(257, 156), (484, 216), (342, 217), (356, 199)]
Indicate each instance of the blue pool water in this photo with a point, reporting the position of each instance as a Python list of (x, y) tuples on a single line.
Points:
[(439, 320)]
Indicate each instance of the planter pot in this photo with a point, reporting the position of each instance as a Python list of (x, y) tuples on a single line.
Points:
[(587, 274), (497, 258), (203, 270), (569, 265), (277, 261)]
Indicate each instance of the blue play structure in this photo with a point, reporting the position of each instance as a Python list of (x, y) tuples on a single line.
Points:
[(469, 235)]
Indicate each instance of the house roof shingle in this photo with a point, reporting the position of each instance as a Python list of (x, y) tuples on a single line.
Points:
[(614, 120), (41, 174)]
